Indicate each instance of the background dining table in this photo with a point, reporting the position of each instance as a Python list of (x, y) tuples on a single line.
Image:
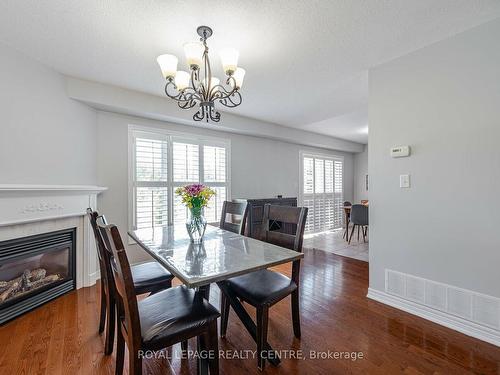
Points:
[(220, 256)]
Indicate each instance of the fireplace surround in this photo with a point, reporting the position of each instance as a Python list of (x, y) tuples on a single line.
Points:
[(37, 213)]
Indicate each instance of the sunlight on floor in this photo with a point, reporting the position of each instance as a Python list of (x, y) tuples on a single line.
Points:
[(333, 242)]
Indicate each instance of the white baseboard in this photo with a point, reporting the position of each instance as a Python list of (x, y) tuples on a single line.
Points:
[(445, 319), (93, 277)]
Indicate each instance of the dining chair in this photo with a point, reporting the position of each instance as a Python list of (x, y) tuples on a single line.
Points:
[(359, 218), (159, 320), (264, 288), (237, 212), (148, 277), (347, 215)]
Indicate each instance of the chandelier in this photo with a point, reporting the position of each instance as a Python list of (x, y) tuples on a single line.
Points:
[(199, 87)]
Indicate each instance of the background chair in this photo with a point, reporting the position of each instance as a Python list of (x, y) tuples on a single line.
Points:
[(359, 218), (347, 215), (147, 277), (160, 320), (237, 212), (264, 288)]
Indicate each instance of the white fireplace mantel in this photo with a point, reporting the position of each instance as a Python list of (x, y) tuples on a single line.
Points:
[(26, 203), (34, 209)]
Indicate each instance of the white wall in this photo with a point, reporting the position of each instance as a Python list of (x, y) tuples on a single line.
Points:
[(45, 137), (444, 101), (134, 103), (360, 172), (259, 167)]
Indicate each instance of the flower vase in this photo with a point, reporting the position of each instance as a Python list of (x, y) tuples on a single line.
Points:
[(196, 225)]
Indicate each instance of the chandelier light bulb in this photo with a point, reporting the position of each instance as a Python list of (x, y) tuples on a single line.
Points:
[(229, 59), (182, 80), (239, 74), (194, 53), (168, 65)]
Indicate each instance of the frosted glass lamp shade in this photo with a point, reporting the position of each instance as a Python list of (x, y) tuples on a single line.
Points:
[(168, 65), (182, 80), (238, 75), (229, 59), (194, 52)]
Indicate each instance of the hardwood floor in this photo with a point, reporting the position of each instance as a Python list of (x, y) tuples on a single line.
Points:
[(61, 337)]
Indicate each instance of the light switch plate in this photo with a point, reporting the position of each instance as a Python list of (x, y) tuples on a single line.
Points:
[(404, 181)]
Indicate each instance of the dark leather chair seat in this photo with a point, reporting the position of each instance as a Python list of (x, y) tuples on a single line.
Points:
[(262, 287), (172, 313), (150, 276)]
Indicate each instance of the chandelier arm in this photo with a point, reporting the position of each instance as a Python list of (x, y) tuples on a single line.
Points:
[(231, 82), (220, 92), (227, 98), (185, 95), (214, 115), (200, 114), (193, 78), (187, 105), (232, 100), (208, 72)]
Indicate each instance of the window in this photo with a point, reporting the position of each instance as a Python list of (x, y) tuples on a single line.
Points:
[(161, 162), (322, 191)]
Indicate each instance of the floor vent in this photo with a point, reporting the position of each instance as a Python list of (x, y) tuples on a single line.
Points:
[(475, 307)]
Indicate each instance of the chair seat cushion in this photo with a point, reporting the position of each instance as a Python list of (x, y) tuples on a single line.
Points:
[(150, 276), (173, 312), (261, 287)]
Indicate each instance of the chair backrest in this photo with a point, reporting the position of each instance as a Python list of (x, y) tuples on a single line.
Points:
[(126, 299), (102, 254), (359, 214), (347, 203), (237, 213), (288, 215)]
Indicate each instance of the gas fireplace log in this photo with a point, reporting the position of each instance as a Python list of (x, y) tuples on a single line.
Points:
[(14, 287), (37, 274), (41, 282), (29, 280)]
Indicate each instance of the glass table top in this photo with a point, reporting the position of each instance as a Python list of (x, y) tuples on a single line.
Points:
[(222, 254)]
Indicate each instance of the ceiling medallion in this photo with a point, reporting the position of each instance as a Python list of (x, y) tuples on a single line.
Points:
[(201, 88)]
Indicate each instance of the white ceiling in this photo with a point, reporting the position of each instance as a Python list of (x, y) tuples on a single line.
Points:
[(306, 61)]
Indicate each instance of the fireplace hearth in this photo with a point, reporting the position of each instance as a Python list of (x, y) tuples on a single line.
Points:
[(35, 270)]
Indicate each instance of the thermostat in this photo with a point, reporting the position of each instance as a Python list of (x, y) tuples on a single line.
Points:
[(400, 151)]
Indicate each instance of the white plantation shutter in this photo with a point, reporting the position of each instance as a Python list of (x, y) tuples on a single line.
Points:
[(150, 182), (339, 193), (160, 163), (215, 176), (186, 170), (214, 164), (322, 192), (186, 162)]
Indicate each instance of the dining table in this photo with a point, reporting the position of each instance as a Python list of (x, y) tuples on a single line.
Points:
[(221, 255)]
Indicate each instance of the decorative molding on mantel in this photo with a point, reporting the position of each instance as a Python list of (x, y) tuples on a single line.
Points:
[(29, 203), (33, 209), (51, 188)]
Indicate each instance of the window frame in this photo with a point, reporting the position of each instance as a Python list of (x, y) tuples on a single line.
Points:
[(171, 136), (311, 154)]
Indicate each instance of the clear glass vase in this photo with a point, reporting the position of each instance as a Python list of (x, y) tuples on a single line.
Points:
[(196, 225)]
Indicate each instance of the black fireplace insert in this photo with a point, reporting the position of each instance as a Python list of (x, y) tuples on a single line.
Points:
[(35, 270)]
